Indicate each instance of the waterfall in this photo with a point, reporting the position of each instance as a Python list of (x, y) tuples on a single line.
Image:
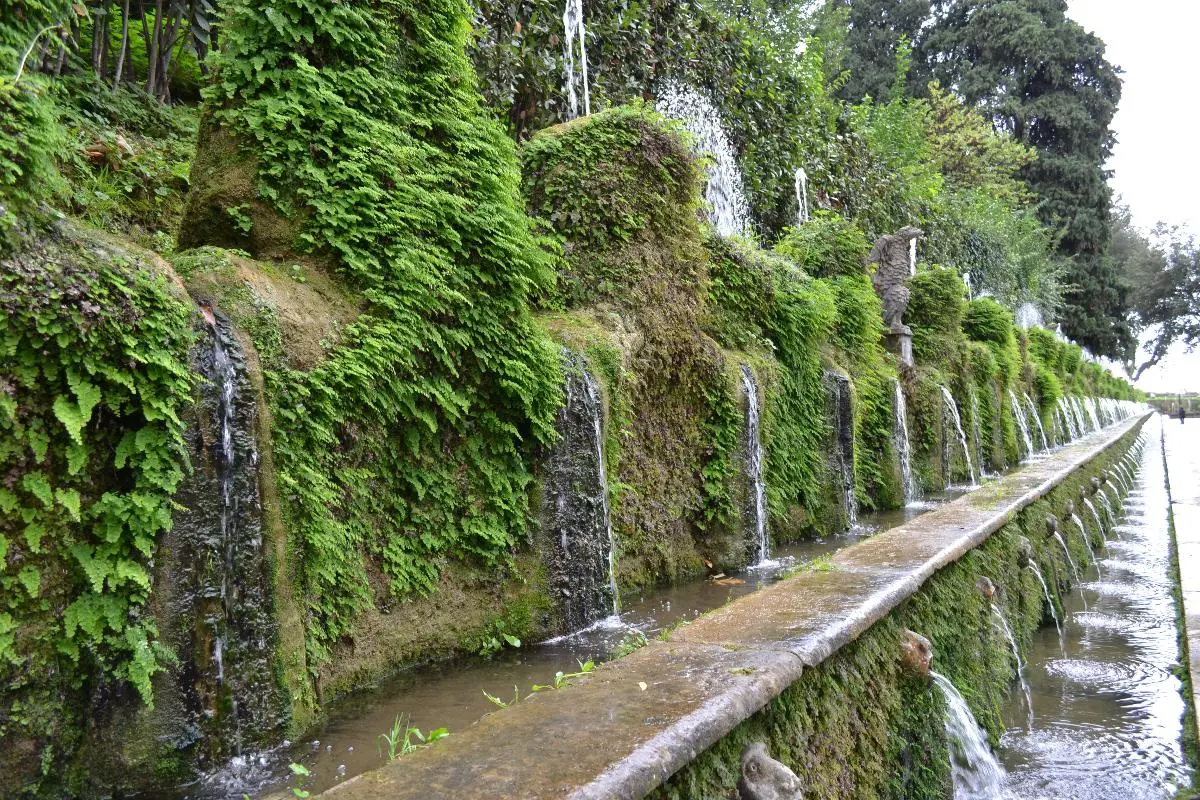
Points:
[(754, 468), (216, 565), (1033, 413), (1086, 539), (1022, 425), (1081, 415), (1089, 403), (975, 771), (730, 213), (843, 431), (976, 435), (1067, 553), (952, 409), (1046, 591), (574, 32), (575, 505), (903, 448), (802, 215), (1068, 411), (912, 256), (1028, 316), (998, 615), (1095, 515)]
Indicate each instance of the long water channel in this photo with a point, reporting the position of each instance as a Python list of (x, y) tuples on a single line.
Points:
[(1107, 708)]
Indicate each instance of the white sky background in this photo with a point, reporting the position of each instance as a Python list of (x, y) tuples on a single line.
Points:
[(1157, 158)]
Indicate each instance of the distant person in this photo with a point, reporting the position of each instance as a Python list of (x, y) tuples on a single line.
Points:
[(1182, 414)]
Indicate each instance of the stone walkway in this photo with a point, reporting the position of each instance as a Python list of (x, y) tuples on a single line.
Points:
[(1182, 446)]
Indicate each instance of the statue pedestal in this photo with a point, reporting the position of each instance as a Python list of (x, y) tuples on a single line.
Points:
[(899, 342)]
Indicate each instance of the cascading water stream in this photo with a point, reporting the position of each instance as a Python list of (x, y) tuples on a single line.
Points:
[(1087, 541), (575, 38), (1096, 516), (802, 214), (1067, 552), (974, 769), (1109, 507), (1049, 603), (976, 432), (912, 256), (1089, 405), (576, 513), (903, 446), (839, 395), (725, 193), (1022, 423), (1006, 629), (952, 409), (1037, 418), (754, 467)]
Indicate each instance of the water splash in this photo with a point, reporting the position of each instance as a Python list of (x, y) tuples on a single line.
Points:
[(903, 447), (575, 508), (974, 769), (730, 213), (802, 215), (1037, 418), (754, 467), (575, 34), (1049, 603), (1028, 316), (952, 409), (1002, 623), (1022, 424)]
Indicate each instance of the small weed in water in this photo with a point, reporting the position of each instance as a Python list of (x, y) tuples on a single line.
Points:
[(633, 640), (497, 701), (301, 773), (562, 678), (403, 738), (494, 642)]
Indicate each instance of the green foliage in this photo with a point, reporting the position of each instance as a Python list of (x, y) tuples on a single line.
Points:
[(95, 351), (935, 314), (409, 442), (29, 143), (404, 738), (825, 246), (989, 322), (126, 158)]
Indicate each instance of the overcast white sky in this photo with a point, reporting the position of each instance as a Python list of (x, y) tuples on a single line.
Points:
[(1156, 160)]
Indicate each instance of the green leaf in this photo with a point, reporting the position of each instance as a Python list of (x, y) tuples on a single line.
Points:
[(69, 499), (36, 484), (31, 579), (69, 414)]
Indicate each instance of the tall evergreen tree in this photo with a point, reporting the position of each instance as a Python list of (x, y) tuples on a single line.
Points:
[(1043, 78), (872, 32)]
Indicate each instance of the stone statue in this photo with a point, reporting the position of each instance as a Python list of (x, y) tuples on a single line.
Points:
[(890, 255), (764, 778)]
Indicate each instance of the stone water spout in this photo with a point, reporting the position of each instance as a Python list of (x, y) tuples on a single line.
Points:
[(986, 587), (764, 778), (892, 271), (916, 654)]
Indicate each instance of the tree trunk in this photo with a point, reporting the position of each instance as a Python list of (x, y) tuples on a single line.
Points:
[(124, 44), (153, 56)]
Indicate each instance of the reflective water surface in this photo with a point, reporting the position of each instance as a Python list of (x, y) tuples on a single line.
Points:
[(1107, 708)]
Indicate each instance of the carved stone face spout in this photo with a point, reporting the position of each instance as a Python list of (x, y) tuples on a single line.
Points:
[(764, 778), (986, 587), (916, 654)]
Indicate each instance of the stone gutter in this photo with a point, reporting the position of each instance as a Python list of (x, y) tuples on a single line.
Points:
[(621, 731), (1180, 443)]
